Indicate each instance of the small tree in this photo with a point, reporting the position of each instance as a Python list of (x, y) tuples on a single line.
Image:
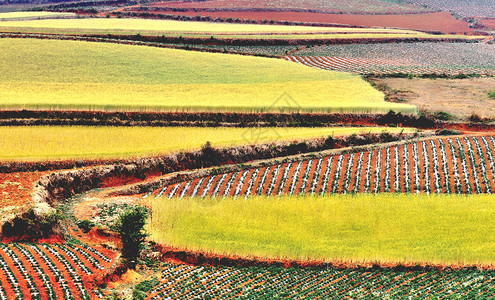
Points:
[(130, 227)]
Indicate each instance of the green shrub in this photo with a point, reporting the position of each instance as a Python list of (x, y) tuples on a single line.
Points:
[(85, 225), (443, 116), (491, 94), (448, 132), (130, 227)]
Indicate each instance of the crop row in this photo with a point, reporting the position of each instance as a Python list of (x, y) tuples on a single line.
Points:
[(49, 271), (460, 165), (383, 66), (365, 58), (191, 282)]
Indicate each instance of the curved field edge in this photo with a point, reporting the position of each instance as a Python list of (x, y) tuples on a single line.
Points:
[(37, 143), (113, 77), (55, 188), (362, 228)]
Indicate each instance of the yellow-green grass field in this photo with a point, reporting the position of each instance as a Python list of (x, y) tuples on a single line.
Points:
[(363, 228), (205, 29), (36, 143), (133, 26), (33, 15), (52, 74)]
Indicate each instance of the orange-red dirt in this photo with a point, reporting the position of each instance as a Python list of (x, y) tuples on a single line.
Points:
[(16, 188), (439, 21)]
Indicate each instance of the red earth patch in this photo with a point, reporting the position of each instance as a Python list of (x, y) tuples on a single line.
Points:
[(440, 21)]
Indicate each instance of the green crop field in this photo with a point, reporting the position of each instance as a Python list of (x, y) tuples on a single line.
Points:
[(381, 228), (69, 142), (49, 74)]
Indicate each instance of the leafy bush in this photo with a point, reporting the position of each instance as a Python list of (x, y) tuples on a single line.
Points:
[(329, 142), (143, 287), (491, 94), (443, 116), (211, 156), (386, 137), (130, 227), (85, 225), (32, 226), (448, 132)]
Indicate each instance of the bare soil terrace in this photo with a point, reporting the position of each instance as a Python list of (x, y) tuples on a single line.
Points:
[(460, 97), (438, 21)]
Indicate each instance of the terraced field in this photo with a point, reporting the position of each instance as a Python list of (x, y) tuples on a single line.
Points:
[(265, 283), (206, 215), (461, 165), (382, 229), (341, 6), (41, 143), (421, 202), (435, 21), (50, 271), (123, 77), (178, 28), (415, 58)]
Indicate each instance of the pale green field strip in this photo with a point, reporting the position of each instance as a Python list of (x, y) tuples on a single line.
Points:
[(35, 143), (51, 74), (33, 15), (362, 228), (103, 25)]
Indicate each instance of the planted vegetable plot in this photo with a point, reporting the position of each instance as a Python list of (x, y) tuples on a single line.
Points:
[(383, 66), (181, 281), (49, 271), (461, 165), (413, 58)]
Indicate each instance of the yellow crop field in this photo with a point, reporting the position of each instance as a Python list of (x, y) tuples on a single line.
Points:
[(206, 30), (364, 228), (33, 15), (35, 143), (180, 27), (50, 74)]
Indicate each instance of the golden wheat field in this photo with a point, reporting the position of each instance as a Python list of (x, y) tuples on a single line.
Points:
[(71, 142), (49, 74)]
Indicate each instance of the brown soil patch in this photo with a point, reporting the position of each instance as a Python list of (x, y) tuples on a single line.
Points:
[(460, 97)]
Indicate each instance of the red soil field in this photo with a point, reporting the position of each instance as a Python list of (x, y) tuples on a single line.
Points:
[(16, 188), (489, 22), (51, 271), (440, 21), (369, 6)]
